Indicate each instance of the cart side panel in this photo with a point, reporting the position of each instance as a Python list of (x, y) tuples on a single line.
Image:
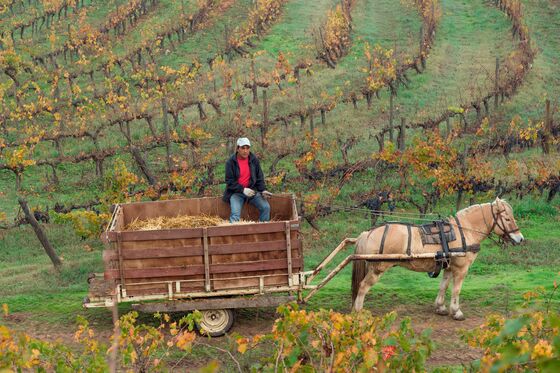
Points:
[(240, 256), (147, 264), (282, 208), (240, 260), (236, 261)]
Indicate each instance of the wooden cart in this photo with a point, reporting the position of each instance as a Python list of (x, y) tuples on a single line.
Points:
[(213, 269)]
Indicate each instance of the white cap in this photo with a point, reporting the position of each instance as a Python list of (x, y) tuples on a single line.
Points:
[(242, 141)]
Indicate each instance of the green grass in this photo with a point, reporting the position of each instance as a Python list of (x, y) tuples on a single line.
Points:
[(542, 82), (469, 38), (208, 43), (293, 34), (92, 15)]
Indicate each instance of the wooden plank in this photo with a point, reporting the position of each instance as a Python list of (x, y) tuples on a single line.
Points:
[(243, 283), (247, 247), (206, 260), (262, 265), (282, 207), (170, 208), (147, 289), (162, 252), (147, 286), (164, 244), (211, 206), (216, 303), (120, 220), (182, 261), (119, 255), (164, 234), (294, 212), (236, 268), (158, 272), (289, 252), (241, 229)]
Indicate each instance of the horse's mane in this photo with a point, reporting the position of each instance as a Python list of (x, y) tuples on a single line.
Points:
[(468, 209)]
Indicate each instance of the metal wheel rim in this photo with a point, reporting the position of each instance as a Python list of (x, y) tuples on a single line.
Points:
[(214, 320)]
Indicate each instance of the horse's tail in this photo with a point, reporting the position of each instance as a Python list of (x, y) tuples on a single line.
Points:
[(359, 270), (358, 274)]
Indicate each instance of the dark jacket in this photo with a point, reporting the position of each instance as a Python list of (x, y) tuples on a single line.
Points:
[(232, 176)]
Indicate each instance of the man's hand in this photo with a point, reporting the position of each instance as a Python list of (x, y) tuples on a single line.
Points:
[(266, 194), (248, 192)]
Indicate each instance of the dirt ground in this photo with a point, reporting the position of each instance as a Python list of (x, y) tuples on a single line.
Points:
[(450, 349)]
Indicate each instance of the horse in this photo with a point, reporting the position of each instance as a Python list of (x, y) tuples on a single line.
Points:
[(472, 224)]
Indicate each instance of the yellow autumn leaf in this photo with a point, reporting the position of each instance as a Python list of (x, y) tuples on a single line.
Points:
[(242, 345), (242, 348), (185, 340)]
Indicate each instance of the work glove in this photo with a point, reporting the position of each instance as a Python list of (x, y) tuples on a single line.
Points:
[(266, 194), (248, 192)]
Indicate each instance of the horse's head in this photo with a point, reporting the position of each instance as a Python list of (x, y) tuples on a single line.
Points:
[(504, 223)]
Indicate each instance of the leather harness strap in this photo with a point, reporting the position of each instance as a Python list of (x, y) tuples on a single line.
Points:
[(409, 229), (383, 238), (444, 243), (443, 257), (463, 241)]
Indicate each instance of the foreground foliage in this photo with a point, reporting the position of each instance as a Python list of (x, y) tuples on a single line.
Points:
[(142, 347), (526, 343), (301, 341), (328, 341)]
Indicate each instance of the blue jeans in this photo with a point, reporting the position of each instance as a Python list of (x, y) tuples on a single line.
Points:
[(237, 200)]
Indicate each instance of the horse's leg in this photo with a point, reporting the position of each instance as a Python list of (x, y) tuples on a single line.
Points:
[(440, 300), (458, 277), (371, 278)]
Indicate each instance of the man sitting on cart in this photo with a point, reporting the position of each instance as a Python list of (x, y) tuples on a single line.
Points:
[(245, 182)]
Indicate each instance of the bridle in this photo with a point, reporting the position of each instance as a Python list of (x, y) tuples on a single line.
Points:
[(498, 221)]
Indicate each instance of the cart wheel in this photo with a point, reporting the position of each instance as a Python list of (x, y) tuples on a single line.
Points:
[(215, 323)]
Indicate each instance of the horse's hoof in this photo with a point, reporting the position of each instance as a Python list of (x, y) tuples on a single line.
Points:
[(442, 311), (458, 316)]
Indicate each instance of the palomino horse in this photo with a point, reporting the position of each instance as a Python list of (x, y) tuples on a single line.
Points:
[(476, 222)]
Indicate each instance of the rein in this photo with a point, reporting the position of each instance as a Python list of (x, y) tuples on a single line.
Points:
[(421, 217)]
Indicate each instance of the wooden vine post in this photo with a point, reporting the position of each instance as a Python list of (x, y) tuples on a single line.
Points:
[(391, 113), (265, 124), (166, 132), (496, 83), (547, 130), (40, 233), (402, 137)]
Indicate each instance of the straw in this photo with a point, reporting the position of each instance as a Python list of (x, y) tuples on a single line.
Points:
[(183, 221)]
